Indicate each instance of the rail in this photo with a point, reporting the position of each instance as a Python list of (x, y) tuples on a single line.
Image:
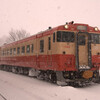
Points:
[(2, 97)]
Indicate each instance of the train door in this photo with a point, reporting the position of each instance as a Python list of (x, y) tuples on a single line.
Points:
[(49, 52), (83, 50), (37, 53), (40, 50)]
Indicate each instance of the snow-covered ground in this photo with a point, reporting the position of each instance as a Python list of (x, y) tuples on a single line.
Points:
[(18, 87)]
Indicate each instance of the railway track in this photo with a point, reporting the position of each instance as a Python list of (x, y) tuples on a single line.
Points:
[(3, 98)]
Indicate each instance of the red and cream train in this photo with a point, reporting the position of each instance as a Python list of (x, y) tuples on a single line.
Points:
[(68, 53)]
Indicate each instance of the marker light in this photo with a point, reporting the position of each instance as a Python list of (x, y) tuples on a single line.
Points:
[(66, 26), (96, 29)]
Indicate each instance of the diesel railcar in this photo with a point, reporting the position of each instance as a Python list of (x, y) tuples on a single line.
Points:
[(68, 53)]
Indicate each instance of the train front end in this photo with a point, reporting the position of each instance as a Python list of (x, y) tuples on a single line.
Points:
[(79, 51)]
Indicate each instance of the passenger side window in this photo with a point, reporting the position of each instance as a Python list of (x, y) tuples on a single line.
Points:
[(14, 51), (2, 52), (41, 45), (23, 49), (7, 51), (10, 51), (28, 49), (32, 48), (18, 50)]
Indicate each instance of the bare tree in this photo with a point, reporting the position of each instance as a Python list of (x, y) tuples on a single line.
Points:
[(15, 35), (3, 40)]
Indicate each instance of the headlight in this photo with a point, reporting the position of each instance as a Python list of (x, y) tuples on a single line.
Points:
[(96, 29), (66, 26)]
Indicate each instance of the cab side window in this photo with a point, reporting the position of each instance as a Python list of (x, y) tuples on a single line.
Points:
[(63, 36)]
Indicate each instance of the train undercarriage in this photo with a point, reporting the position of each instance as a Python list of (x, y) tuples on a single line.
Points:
[(62, 78)]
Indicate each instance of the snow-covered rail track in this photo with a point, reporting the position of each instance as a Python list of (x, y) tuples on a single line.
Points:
[(1, 96)]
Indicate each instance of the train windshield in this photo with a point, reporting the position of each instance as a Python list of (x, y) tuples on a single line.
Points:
[(95, 38), (63, 36), (81, 40)]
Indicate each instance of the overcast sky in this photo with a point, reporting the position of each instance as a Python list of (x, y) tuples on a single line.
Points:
[(38, 15)]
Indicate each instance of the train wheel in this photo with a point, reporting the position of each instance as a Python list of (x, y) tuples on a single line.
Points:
[(25, 71)]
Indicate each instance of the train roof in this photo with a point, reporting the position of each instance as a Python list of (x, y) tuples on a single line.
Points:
[(68, 26)]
